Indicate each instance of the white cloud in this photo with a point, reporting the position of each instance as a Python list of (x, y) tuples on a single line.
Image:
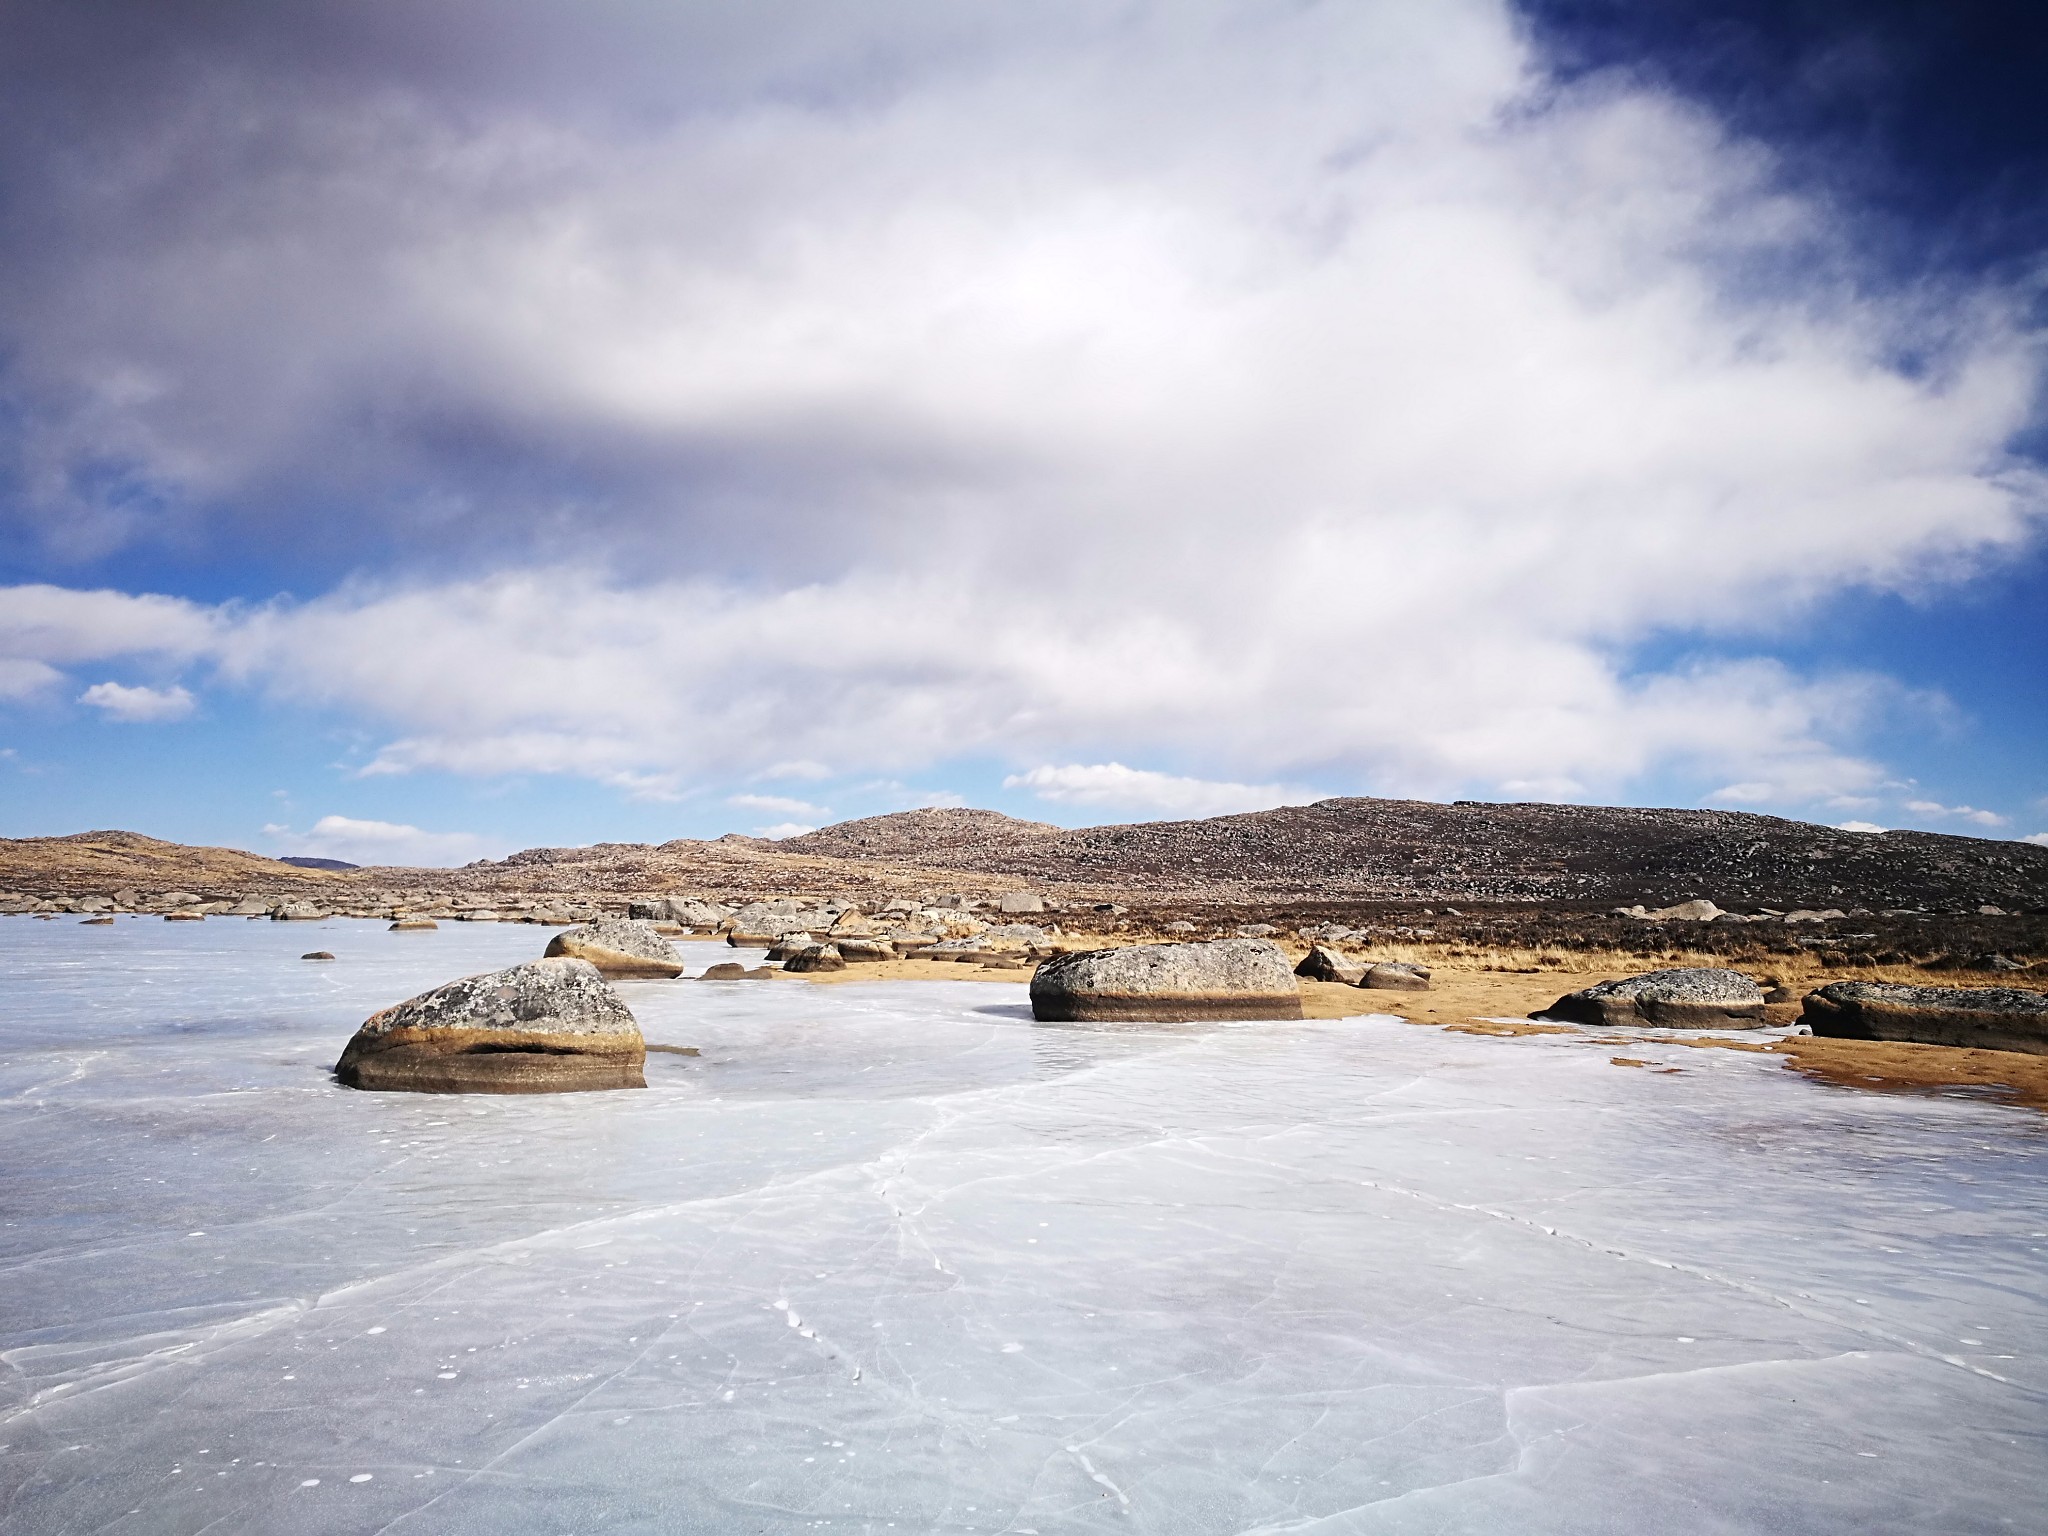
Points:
[(2039, 838), (21, 678), (138, 705), (779, 803), (784, 829), (1859, 826), (357, 841), (1960, 812), (1112, 784), (1293, 393)]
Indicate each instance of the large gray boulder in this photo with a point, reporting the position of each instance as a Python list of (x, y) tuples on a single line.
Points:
[(1168, 983), (618, 946), (548, 1026), (1704, 998), (1988, 1018), (1396, 976), (1017, 903)]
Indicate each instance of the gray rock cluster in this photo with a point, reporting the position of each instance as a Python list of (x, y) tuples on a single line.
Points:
[(548, 1026), (1698, 998), (1323, 963), (1986, 1018), (1168, 983)]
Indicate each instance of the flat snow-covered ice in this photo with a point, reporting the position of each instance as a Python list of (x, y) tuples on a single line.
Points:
[(892, 1257)]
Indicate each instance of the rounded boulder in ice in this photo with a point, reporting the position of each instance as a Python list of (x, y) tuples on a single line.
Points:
[(1705, 997), (549, 1026), (618, 946), (1168, 984)]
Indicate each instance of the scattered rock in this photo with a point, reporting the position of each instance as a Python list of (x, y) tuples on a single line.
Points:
[(1168, 983), (184, 917), (1004, 963), (725, 970), (860, 951), (1687, 912), (1987, 910), (95, 922), (1322, 963), (816, 957), (1396, 976), (1257, 931), (1996, 963), (618, 946), (548, 1026), (317, 954), (1182, 926), (296, 912), (413, 925), (1016, 902), (1704, 998), (1985, 1018)]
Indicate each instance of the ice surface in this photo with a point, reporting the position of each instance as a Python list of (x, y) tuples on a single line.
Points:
[(891, 1257)]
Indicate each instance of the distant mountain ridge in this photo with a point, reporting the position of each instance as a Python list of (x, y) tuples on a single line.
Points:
[(1334, 851)]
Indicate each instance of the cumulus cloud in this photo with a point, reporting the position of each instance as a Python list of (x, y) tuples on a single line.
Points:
[(783, 829), (779, 803), (356, 841), (1859, 826), (139, 704), (1112, 785), (2039, 838), (1290, 394), (1959, 812)]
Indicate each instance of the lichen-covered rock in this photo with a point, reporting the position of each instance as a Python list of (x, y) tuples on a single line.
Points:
[(1987, 1018), (618, 946), (1323, 963), (297, 912), (548, 1026), (1168, 983), (414, 925), (1703, 998), (816, 957), (1396, 976)]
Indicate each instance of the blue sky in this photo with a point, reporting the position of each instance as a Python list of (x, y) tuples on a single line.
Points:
[(429, 431)]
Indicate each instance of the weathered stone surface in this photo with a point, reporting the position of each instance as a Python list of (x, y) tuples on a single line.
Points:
[(183, 916), (1705, 998), (1168, 983), (297, 912), (816, 957), (96, 922), (318, 954), (1987, 1018), (618, 946), (414, 925), (1396, 976), (861, 951), (548, 1026), (1697, 911), (1323, 963), (725, 970), (1018, 902)]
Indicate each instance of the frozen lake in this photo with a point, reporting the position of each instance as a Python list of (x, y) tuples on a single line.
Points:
[(889, 1257)]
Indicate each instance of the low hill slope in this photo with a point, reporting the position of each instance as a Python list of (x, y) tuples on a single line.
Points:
[(100, 863), (1477, 851)]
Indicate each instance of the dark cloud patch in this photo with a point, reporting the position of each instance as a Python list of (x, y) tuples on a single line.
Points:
[(1922, 119)]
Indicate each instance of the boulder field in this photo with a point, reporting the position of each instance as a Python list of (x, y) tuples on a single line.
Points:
[(1704, 998), (618, 946), (1168, 984), (1987, 1018), (548, 1026)]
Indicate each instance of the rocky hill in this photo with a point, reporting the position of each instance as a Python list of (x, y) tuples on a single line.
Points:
[(101, 863), (1335, 852), (1379, 850)]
